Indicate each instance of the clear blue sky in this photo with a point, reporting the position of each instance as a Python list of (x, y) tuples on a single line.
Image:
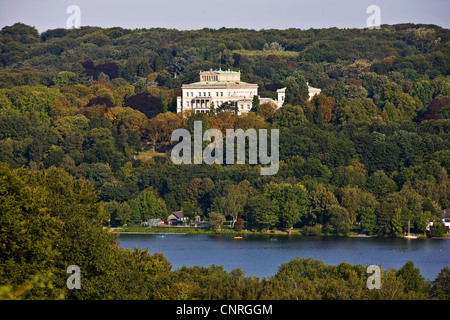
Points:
[(197, 14)]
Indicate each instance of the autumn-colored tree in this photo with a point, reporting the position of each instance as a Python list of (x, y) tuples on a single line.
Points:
[(61, 107), (267, 110), (323, 108), (250, 120), (222, 121), (132, 119), (436, 109)]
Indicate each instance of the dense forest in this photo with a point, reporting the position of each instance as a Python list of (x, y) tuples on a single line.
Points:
[(86, 117)]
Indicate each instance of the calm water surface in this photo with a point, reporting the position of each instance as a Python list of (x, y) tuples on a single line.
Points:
[(259, 257)]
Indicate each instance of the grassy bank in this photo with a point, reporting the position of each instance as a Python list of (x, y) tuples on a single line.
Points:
[(192, 230), (186, 230)]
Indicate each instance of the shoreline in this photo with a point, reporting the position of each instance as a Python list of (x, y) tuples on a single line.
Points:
[(139, 232), (246, 233)]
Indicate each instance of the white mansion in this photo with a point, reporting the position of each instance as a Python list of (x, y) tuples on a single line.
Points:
[(219, 86)]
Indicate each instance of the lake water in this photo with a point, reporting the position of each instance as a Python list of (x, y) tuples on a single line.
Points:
[(258, 256)]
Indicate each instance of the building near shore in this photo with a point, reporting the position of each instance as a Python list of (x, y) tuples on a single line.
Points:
[(219, 87), (445, 217)]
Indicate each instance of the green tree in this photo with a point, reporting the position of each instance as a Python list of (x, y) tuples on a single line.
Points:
[(148, 205), (380, 184), (389, 215), (301, 268), (143, 69), (353, 175), (422, 221), (440, 287), (397, 223), (263, 211), (321, 201), (28, 249), (119, 213), (289, 116), (422, 90), (412, 279), (255, 104), (438, 228), (140, 86), (66, 78), (34, 101), (367, 214), (296, 90), (291, 201), (188, 209), (339, 90), (355, 110), (215, 221), (235, 199), (338, 220), (73, 234), (99, 146), (164, 101)]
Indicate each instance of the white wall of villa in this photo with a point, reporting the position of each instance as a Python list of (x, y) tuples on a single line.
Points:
[(217, 87)]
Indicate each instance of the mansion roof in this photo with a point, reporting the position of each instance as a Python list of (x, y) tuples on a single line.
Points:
[(310, 89), (212, 84), (222, 71)]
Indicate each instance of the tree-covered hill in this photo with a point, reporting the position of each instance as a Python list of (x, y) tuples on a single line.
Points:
[(324, 55), (370, 153)]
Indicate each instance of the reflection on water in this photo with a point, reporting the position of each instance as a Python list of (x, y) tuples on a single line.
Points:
[(261, 255)]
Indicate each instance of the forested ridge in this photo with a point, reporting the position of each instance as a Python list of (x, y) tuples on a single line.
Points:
[(81, 109)]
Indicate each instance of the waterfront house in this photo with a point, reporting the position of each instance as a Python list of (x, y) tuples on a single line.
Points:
[(445, 216), (176, 218)]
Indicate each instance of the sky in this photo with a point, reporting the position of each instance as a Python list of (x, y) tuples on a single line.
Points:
[(198, 14)]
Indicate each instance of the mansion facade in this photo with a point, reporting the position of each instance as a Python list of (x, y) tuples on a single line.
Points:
[(217, 87)]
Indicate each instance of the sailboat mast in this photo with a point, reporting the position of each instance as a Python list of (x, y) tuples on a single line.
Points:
[(409, 225)]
